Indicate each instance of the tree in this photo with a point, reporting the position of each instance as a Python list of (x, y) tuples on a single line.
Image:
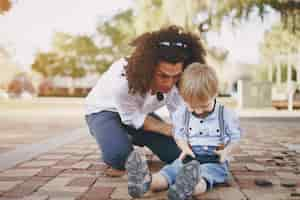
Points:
[(279, 41), (116, 32), (238, 9), (80, 53), (71, 56), (114, 36), (48, 64), (185, 13), (81, 45), (149, 16)]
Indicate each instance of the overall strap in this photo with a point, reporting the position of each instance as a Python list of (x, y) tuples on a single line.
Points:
[(221, 122), (186, 122), (225, 137)]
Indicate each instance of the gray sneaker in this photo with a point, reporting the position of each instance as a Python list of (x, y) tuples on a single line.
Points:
[(185, 182), (139, 176)]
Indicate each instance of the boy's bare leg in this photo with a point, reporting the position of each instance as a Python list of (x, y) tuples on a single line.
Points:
[(200, 188), (159, 182)]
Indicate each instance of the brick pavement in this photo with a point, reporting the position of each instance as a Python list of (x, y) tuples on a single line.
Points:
[(269, 152)]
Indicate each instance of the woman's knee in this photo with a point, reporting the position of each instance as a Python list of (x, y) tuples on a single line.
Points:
[(112, 139), (116, 156)]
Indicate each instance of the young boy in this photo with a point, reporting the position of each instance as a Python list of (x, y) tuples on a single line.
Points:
[(204, 131)]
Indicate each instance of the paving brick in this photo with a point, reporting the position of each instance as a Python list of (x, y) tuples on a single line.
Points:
[(81, 182), (68, 162), (73, 189), (81, 165), (53, 157), (111, 182), (234, 166), (56, 184), (246, 183), (36, 197), (256, 153), (79, 173), (244, 159), (255, 195), (94, 193), (155, 195), (20, 172), (20, 191), (288, 175), (93, 157), (75, 157), (10, 178), (255, 167), (98, 166), (62, 198), (7, 185), (59, 185), (60, 194), (37, 180), (50, 172), (9, 198), (26, 188), (230, 193), (38, 164), (120, 192)]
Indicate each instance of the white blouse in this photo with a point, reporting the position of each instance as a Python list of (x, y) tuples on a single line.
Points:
[(111, 94)]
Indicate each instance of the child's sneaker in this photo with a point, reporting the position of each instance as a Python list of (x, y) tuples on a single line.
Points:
[(185, 182), (139, 176)]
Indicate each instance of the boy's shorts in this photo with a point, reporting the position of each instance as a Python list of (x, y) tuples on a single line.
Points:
[(213, 173)]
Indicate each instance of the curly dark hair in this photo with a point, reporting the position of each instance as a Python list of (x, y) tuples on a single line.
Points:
[(170, 44)]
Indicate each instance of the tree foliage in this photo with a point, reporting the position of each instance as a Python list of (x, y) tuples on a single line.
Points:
[(241, 9), (116, 32), (71, 56), (280, 41)]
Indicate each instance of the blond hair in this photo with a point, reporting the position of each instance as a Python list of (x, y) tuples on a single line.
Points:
[(199, 82)]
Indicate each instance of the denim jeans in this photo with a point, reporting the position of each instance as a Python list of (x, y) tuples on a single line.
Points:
[(116, 140)]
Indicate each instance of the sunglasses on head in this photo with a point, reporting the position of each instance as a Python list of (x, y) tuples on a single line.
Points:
[(173, 44)]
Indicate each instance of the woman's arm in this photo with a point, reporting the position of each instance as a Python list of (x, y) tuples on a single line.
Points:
[(153, 124), (185, 148)]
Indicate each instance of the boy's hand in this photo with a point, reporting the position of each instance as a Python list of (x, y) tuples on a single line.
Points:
[(185, 152), (223, 154)]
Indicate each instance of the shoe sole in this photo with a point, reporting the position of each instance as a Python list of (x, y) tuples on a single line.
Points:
[(186, 180), (137, 169)]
